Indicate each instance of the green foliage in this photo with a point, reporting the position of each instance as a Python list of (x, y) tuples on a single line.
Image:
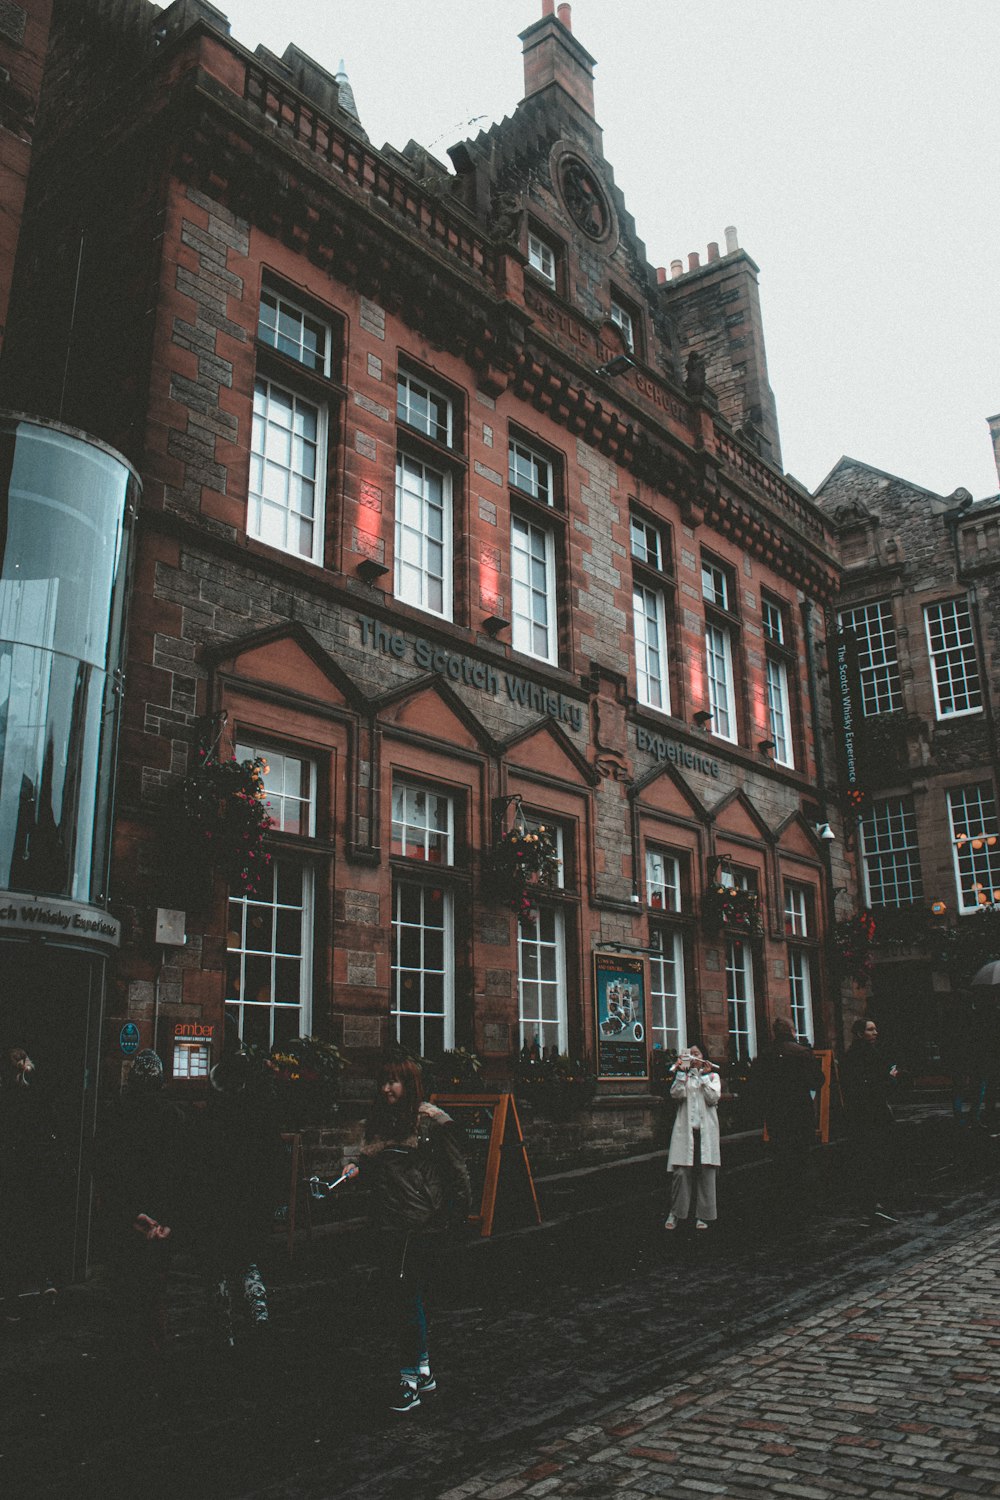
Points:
[(521, 862), (556, 1085), (303, 1076), (734, 910), (852, 946), (224, 820)]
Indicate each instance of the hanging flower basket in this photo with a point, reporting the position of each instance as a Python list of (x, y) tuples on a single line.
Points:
[(226, 819), (303, 1076), (523, 862), (853, 937), (734, 910)]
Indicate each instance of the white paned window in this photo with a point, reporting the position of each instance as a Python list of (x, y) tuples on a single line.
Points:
[(541, 981), (800, 993), (648, 617), (287, 469), (647, 545), (878, 661), (623, 318), (976, 837), (719, 676), (420, 406), (740, 999), (714, 585), (293, 331), (796, 911), (774, 625), (890, 852), (529, 472), (542, 258), (668, 1021), (269, 958), (289, 787), (533, 594), (423, 537), (422, 824), (778, 711), (423, 967), (954, 669), (663, 881)]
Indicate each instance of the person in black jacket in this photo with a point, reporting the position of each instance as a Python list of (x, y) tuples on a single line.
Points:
[(787, 1076), (143, 1179), (412, 1161), (867, 1080), (241, 1175)]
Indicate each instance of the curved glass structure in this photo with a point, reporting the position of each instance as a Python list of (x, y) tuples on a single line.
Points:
[(66, 509)]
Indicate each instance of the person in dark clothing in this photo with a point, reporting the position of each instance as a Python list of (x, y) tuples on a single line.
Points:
[(787, 1076), (867, 1080), (33, 1181), (412, 1161), (142, 1164), (241, 1174)]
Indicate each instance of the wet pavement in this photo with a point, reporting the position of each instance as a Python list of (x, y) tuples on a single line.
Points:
[(594, 1356)]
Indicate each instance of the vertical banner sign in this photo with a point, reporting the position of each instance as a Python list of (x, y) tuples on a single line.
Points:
[(620, 996), (848, 715)]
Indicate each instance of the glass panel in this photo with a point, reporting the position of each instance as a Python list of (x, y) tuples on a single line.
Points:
[(63, 519)]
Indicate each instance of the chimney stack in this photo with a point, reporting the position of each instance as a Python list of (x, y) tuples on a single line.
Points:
[(732, 242), (694, 260), (552, 55), (994, 424), (677, 268)]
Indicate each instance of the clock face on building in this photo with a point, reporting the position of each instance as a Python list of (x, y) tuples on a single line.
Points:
[(583, 197)]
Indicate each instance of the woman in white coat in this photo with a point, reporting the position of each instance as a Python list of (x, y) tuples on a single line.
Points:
[(694, 1143)]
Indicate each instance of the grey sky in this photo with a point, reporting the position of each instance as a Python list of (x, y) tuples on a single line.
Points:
[(852, 143)]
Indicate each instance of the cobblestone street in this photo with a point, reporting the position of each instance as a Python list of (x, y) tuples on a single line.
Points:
[(595, 1357), (885, 1393)]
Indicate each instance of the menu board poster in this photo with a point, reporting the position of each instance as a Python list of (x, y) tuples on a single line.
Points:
[(620, 996)]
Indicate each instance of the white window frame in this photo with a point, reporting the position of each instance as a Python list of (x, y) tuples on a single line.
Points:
[(889, 844), (741, 1019), (542, 258), (874, 630), (278, 775), (529, 472), (779, 709), (623, 319), (423, 973), (667, 1006), (972, 811), (800, 997), (954, 667), (652, 672), (412, 392), (413, 824), (714, 585), (531, 946), (646, 543), (243, 906), (414, 577), (279, 338), (796, 910), (663, 879), (524, 590), (720, 681), (270, 470)]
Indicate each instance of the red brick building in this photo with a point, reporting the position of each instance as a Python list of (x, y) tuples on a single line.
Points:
[(920, 595), (461, 512)]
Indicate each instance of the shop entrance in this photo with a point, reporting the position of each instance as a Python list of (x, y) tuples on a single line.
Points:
[(50, 1003)]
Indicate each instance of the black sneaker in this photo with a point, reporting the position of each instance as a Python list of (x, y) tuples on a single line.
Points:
[(406, 1398), (426, 1384)]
